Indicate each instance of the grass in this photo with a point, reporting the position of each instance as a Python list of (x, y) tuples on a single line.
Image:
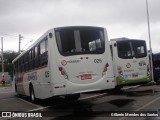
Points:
[(6, 85)]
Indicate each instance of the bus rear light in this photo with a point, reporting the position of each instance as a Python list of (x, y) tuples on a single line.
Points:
[(105, 69), (107, 65), (60, 68), (63, 72), (148, 70)]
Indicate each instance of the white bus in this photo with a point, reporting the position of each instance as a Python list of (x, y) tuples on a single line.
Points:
[(130, 61), (65, 61)]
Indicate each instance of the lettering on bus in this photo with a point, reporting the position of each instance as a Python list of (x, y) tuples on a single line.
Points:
[(128, 70), (97, 60), (142, 68), (142, 63), (64, 62), (32, 76), (73, 61), (46, 74)]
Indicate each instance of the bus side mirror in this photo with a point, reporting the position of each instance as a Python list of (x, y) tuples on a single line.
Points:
[(115, 44)]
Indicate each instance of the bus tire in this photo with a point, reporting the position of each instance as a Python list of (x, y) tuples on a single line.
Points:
[(72, 97), (158, 81), (117, 88), (16, 92), (32, 94)]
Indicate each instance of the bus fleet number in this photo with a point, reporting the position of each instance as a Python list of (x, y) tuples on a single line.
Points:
[(46, 74)]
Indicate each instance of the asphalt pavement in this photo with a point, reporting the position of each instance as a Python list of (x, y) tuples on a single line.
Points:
[(91, 106)]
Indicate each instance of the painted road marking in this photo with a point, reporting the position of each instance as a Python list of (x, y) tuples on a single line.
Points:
[(131, 87), (30, 103), (144, 106), (94, 96), (6, 92)]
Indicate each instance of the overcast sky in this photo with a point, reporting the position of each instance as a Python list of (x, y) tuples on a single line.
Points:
[(121, 18)]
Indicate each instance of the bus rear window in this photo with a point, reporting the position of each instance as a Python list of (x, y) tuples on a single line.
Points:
[(131, 48), (80, 41), (124, 50), (139, 48)]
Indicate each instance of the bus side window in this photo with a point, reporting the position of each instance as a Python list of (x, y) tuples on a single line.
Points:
[(111, 48), (42, 47), (46, 45), (22, 64), (26, 60), (44, 52), (38, 56), (24, 68), (30, 60), (33, 58), (19, 65), (37, 51)]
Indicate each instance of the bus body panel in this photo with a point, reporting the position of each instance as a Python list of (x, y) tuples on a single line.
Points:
[(57, 82), (70, 74), (156, 67), (40, 80), (84, 72), (38, 77), (130, 71), (41, 83)]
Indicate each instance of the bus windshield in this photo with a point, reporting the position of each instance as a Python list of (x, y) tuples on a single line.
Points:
[(80, 41), (131, 48)]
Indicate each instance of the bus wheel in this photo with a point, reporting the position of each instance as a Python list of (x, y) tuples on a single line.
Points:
[(72, 97), (157, 81), (32, 94), (117, 88), (16, 92)]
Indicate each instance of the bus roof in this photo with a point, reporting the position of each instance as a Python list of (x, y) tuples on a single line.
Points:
[(77, 27), (156, 54), (123, 39), (46, 33)]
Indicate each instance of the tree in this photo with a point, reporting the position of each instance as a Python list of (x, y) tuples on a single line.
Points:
[(8, 56)]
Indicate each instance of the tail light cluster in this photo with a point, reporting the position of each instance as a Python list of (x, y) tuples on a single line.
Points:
[(63, 72), (148, 70), (105, 69)]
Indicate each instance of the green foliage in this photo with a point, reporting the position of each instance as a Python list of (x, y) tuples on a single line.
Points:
[(8, 56)]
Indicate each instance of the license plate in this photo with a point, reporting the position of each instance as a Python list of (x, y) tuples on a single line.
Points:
[(87, 76)]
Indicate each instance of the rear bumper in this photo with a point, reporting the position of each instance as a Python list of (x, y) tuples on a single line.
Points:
[(102, 84)]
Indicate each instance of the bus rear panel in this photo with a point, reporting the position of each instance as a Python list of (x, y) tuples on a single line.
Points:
[(130, 61), (81, 62)]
